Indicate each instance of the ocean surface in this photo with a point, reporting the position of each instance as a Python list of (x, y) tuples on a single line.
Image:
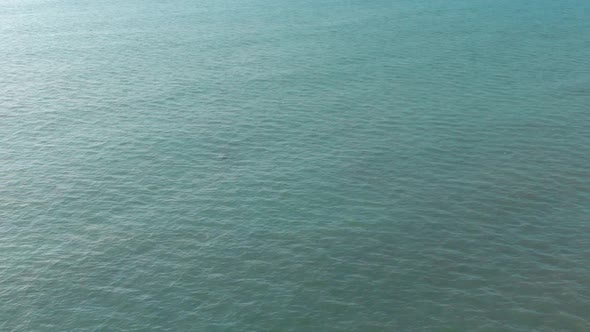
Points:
[(295, 165)]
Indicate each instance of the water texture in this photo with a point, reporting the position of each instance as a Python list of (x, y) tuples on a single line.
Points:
[(325, 165)]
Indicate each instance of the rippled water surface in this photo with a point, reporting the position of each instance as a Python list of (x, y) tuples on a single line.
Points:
[(295, 165)]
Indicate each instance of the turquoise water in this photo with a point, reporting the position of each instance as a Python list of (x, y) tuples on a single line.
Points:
[(326, 165)]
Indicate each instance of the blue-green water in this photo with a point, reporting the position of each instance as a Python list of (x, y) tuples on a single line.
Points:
[(295, 165)]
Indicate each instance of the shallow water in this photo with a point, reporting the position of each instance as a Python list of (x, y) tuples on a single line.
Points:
[(327, 165)]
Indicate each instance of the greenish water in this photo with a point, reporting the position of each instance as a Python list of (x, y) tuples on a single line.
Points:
[(327, 165)]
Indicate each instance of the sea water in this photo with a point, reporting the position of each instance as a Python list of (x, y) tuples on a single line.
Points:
[(295, 165)]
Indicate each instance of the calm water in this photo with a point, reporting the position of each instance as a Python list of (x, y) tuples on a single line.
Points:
[(295, 165)]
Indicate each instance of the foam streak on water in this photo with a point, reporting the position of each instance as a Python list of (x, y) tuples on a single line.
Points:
[(326, 165)]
